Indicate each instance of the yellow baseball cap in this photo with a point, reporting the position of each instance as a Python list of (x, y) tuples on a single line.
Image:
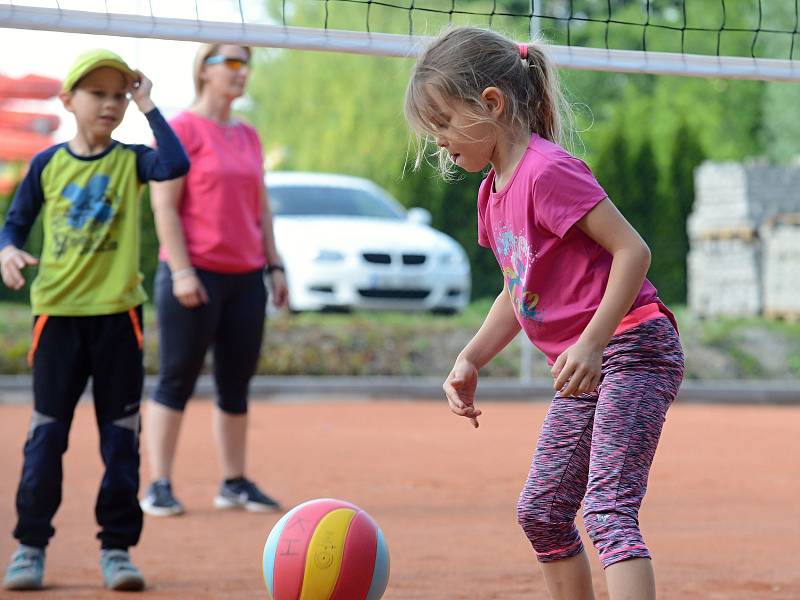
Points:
[(94, 59)]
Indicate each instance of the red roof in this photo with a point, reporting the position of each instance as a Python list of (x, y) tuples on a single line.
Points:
[(24, 134), (21, 145), (35, 122), (30, 86)]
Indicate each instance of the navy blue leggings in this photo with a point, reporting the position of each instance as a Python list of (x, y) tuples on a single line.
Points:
[(232, 322)]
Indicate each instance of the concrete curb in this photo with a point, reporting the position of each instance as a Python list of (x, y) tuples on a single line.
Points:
[(17, 389)]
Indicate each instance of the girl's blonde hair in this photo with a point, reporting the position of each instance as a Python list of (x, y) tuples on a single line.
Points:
[(461, 63), (203, 52)]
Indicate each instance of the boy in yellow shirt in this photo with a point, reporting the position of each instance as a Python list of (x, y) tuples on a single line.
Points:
[(87, 305)]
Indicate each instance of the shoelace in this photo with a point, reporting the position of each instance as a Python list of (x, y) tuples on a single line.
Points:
[(23, 560), (257, 495), (120, 560), (253, 493), (163, 493)]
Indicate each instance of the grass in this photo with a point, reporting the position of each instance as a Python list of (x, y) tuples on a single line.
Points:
[(395, 343)]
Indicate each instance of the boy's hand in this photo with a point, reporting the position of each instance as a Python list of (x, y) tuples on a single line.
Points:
[(459, 387), (12, 261), (140, 93), (577, 370)]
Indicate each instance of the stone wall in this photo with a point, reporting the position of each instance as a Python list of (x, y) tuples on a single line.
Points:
[(744, 240)]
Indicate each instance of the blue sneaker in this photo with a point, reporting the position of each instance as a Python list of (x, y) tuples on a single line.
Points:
[(26, 570), (119, 573), (159, 501), (243, 493)]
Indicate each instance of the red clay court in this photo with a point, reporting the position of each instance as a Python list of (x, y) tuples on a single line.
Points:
[(722, 516)]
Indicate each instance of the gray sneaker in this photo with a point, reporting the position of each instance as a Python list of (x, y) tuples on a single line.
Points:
[(119, 573), (159, 501), (243, 493), (26, 569)]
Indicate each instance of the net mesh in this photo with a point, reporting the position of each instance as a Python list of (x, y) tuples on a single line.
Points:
[(752, 28), (728, 38)]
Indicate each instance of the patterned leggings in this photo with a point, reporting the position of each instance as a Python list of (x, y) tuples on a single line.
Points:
[(598, 447)]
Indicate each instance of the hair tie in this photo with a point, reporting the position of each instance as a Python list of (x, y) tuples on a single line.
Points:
[(523, 51)]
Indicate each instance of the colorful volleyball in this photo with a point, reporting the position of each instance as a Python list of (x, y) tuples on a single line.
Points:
[(326, 549)]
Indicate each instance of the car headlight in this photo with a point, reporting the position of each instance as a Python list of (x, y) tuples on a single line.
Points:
[(328, 256), (451, 259)]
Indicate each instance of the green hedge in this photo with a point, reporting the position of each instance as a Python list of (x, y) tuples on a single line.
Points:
[(426, 345)]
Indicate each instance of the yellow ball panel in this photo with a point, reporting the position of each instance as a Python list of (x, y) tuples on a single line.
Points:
[(324, 558)]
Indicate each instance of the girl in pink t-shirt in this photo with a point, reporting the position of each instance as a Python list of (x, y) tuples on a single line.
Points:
[(574, 281)]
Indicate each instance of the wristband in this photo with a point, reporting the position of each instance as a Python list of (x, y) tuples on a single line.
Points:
[(270, 269), (181, 273)]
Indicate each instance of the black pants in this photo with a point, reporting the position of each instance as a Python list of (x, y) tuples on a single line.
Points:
[(71, 350), (232, 322)]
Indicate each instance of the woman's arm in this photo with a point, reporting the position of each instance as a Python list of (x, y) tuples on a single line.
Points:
[(498, 329), (280, 291), (165, 198), (578, 367)]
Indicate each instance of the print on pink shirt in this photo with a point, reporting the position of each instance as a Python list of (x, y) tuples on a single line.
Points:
[(515, 257)]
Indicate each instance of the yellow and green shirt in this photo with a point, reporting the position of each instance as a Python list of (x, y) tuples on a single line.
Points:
[(91, 219)]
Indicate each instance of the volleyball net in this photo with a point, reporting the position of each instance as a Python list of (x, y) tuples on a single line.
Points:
[(741, 39)]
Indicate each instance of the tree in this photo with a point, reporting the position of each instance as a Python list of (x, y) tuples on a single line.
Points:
[(669, 255), (640, 201)]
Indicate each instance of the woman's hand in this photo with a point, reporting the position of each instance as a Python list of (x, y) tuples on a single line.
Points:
[(12, 261), (459, 387), (189, 291), (280, 291), (577, 370)]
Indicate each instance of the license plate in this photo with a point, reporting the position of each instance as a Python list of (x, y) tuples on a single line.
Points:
[(388, 281)]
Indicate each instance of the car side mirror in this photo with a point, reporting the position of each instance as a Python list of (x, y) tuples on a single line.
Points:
[(419, 216)]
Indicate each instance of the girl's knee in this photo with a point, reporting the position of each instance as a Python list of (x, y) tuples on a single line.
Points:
[(551, 539)]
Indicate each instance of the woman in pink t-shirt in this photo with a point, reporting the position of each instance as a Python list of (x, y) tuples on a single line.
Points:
[(215, 228), (574, 281)]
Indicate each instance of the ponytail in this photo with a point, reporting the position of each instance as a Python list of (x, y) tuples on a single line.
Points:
[(545, 102)]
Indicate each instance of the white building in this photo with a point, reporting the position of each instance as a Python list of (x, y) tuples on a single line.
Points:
[(744, 240)]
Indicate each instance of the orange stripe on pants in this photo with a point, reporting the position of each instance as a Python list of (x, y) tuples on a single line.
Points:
[(38, 326), (137, 327)]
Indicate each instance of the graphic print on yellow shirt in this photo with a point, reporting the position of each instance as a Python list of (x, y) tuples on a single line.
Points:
[(85, 224)]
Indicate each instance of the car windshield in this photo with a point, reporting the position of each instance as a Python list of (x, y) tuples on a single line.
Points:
[(307, 200)]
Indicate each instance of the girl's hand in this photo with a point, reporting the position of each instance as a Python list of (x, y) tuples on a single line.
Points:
[(577, 370), (140, 93), (280, 291), (12, 261), (189, 291), (459, 387)]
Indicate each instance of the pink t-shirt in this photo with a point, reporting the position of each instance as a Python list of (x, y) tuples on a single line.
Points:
[(555, 273), (221, 205)]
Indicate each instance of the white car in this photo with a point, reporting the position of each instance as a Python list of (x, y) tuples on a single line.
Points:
[(346, 243)]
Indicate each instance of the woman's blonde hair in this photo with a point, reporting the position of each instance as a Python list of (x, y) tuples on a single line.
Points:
[(203, 52), (461, 63)]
